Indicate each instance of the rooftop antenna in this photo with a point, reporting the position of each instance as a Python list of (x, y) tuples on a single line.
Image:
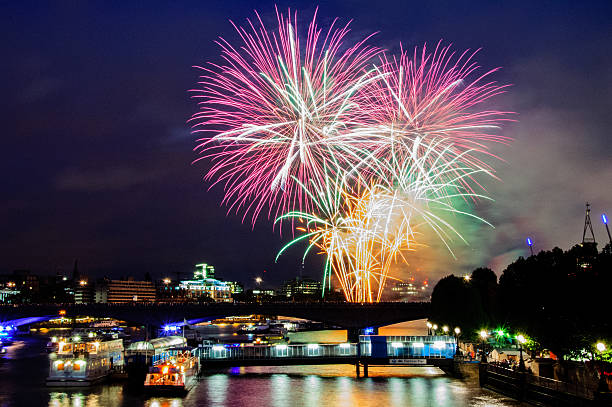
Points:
[(604, 219), (588, 226), (530, 244)]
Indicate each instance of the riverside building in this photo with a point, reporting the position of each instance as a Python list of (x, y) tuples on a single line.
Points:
[(124, 291), (205, 287)]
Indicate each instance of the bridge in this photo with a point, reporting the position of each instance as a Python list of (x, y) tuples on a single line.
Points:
[(350, 316), (371, 350)]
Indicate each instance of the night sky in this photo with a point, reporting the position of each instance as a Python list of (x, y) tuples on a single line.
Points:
[(97, 157)]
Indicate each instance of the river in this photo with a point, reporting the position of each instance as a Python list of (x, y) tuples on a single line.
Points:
[(24, 369)]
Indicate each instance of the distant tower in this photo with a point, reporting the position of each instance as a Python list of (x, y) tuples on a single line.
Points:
[(588, 227), (76, 276)]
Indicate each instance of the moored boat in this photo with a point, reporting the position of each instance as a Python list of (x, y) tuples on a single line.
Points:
[(83, 363), (141, 355), (176, 375)]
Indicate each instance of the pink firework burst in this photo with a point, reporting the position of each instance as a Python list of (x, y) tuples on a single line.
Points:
[(272, 117), (433, 96)]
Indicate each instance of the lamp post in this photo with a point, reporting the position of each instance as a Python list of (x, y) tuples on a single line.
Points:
[(483, 355), (457, 333), (435, 328), (445, 329), (530, 244), (429, 325), (521, 340), (602, 386)]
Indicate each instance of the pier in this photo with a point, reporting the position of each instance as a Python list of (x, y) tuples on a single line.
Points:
[(371, 350)]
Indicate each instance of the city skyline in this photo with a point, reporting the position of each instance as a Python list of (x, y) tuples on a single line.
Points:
[(100, 155)]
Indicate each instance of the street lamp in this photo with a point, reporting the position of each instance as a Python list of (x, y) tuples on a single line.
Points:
[(602, 386), (435, 328), (483, 355), (429, 325), (521, 340), (457, 333), (530, 244), (445, 329)]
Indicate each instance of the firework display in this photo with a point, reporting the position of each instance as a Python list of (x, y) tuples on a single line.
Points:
[(362, 153), (277, 111)]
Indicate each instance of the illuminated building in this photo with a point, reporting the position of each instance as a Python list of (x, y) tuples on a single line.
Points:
[(203, 271), (235, 287), (408, 291), (301, 286), (124, 291), (25, 281), (83, 292), (6, 293), (207, 288), (260, 294)]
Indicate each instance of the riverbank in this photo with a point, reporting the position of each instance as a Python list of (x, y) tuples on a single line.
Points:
[(23, 373)]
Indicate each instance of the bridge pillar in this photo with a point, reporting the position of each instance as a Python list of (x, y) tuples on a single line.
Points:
[(365, 369), (352, 335), (357, 369)]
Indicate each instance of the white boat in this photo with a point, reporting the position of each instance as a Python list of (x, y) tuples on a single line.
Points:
[(78, 364)]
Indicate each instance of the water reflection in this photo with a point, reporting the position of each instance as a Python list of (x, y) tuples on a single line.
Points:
[(280, 390), (298, 387), (315, 386), (398, 391), (164, 402), (88, 397)]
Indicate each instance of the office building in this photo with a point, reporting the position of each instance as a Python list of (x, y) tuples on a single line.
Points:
[(124, 291)]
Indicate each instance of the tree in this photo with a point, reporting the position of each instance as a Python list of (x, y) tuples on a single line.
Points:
[(484, 280), (558, 297), (454, 302)]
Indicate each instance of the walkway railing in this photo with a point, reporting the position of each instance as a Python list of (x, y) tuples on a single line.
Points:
[(579, 390), (413, 347), (280, 351)]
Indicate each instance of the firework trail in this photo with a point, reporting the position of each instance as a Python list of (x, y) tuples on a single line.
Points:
[(274, 111), (435, 95), (364, 230)]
